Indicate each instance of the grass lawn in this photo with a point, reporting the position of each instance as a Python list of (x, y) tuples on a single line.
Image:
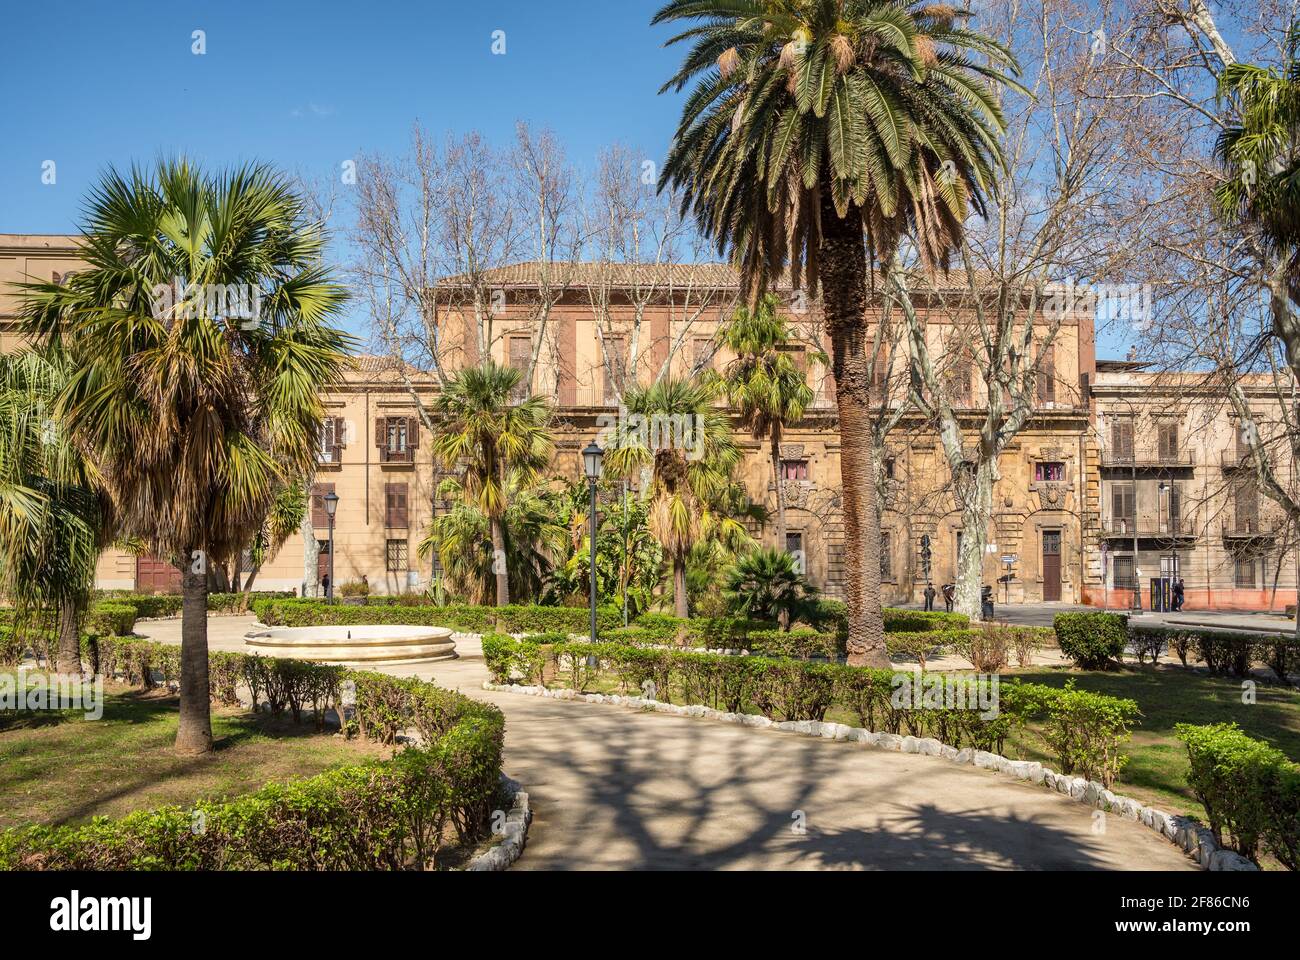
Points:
[(61, 768), (1157, 769)]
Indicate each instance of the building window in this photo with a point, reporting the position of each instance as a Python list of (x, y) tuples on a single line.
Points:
[(890, 467), (1121, 439), (331, 440), (794, 469), (397, 439), (1167, 441), (323, 548), (1049, 472), (319, 516), (520, 356), (614, 367), (396, 556), (1245, 573), (702, 354), (958, 381), (1047, 377), (1123, 508), (886, 557), (395, 513), (1124, 578)]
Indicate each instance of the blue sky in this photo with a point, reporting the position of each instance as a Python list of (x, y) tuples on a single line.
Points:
[(309, 84)]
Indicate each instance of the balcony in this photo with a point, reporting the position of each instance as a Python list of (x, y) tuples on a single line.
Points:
[(1252, 528), (1147, 459), (1119, 528)]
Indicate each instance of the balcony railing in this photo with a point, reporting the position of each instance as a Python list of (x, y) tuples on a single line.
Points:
[(1147, 458), (1249, 528), (1148, 527)]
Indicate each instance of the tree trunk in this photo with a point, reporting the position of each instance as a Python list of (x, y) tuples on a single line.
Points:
[(780, 489), (310, 555), (681, 606), (976, 514), (844, 298), (194, 734), (499, 563), (69, 652)]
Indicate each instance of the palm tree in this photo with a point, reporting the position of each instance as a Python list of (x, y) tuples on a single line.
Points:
[(764, 386), (482, 431), (1262, 154), (820, 131), (766, 585), (674, 430), (51, 520), (462, 539), (200, 334)]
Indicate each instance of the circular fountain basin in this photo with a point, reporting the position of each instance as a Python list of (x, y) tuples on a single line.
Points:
[(354, 644)]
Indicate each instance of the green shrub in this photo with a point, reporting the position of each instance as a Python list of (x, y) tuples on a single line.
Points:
[(389, 815), (796, 644), (1094, 640), (111, 618), (1086, 731), (509, 659), (511, 619), (1226, 654), (915, 621), (1250, 791)]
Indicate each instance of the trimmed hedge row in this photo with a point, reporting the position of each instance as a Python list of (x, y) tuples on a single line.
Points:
[(1223, 653), (379, 815), (1094, 640), (1084, 730), (513, 619), (1250, 791)]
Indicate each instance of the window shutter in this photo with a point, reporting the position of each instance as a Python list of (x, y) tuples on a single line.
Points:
[(395, 513), (402, 518), (319, 518), (381, 438), (1047, 377), (340, 433), (412, 434)]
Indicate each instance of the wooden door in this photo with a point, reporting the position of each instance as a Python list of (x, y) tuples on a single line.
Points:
[(1051, 564), (156, 576)]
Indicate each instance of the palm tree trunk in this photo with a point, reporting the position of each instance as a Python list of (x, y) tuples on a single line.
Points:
[(499, 563), (780, 488), (843, 268), (69, 653), (681, 607), (194, 734)]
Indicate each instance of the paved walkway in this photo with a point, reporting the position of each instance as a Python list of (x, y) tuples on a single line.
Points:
[(616, 789)]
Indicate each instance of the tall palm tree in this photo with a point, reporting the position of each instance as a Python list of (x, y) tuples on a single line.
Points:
[(484, 432), (821, 131), (764, 385), (673, 429), (51, 520), (200, 331)]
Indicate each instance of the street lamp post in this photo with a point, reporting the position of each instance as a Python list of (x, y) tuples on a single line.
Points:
[(331, 507), (593, 465)]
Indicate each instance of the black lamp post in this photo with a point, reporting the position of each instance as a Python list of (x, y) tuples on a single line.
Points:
[(331, 506), (593, 465)]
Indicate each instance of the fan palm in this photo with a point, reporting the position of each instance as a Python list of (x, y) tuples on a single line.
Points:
[(673, 430), (767, 585), (51, 521), (764, 386), (491, 439), (462, 540), (1262, 153), (819, 130), (192, 410)]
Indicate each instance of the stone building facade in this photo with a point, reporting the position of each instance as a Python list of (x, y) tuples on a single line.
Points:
[(1065, 502)]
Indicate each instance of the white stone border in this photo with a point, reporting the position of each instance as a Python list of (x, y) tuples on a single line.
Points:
[(514, 834), (1184, 832)]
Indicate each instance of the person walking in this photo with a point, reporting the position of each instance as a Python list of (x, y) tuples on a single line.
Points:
[(949, 596), (1180, 595), (929, 597)]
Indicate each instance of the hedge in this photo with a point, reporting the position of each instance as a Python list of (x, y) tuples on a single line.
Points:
[(1084, 730), (512, 619), (1094, 641), (1250, 791), (1223, 652), (379, 815)]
